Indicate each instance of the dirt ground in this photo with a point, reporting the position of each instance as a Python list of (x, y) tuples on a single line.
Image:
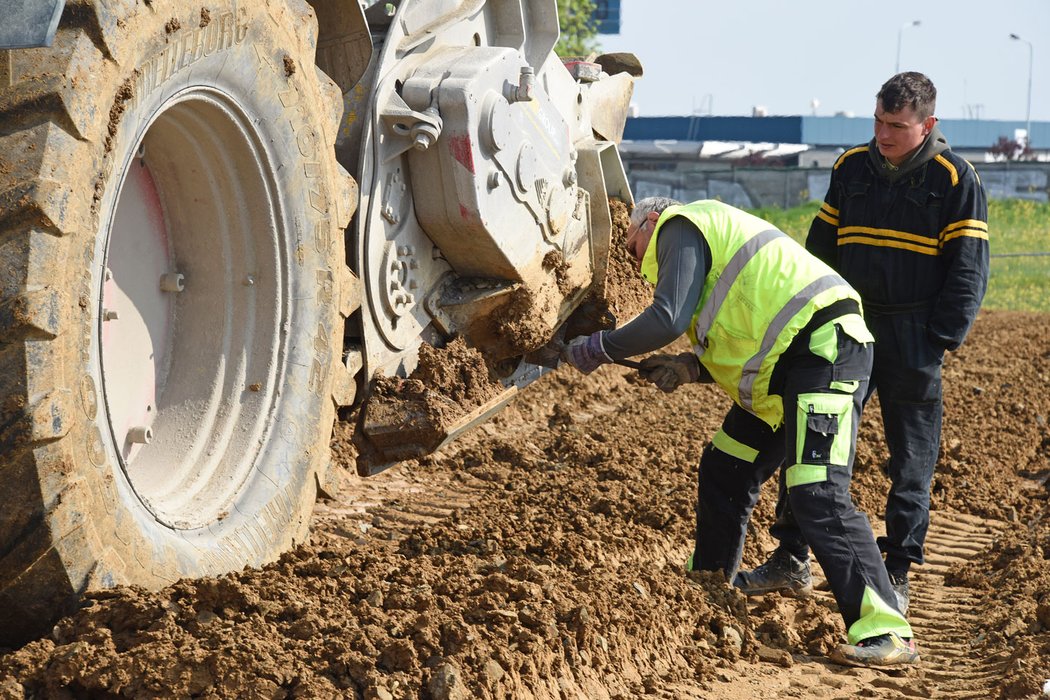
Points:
[(541, 556)]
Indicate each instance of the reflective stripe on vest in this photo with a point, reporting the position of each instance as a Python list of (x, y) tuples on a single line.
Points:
[(721, 289), (756, 297), (780, 321)]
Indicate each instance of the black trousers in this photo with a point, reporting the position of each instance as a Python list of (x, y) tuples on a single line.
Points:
[(907, 375), (729, 484)]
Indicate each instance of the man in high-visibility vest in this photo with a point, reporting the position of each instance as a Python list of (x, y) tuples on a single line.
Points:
[(782, 334)]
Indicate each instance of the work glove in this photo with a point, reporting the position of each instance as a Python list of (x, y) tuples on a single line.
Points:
[(586, 353), (668, 372)]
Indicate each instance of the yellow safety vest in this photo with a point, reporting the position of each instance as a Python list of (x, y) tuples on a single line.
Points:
[(762, 289)]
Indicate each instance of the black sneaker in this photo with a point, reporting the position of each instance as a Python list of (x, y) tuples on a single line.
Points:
[(899, 581), (783, 571), (884, 650)]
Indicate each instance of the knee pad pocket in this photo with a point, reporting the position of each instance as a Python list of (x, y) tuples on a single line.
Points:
[(824, 429)]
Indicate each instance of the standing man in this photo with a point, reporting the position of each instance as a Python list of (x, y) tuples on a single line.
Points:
[(781, 333), (905, 223)]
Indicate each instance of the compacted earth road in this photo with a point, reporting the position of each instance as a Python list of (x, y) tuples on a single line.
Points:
[(541, 556)]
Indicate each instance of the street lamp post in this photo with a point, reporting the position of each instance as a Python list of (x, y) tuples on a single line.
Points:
[(1028, 109), (900, 33)]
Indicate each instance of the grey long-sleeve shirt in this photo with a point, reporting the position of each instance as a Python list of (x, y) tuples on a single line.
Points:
[(684, 259)]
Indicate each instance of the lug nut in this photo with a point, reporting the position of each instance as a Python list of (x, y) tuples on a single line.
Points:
[(172, 282), (140, 435)]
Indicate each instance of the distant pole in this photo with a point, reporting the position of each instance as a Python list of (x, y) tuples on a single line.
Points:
[(900, 34), (1028, 109)]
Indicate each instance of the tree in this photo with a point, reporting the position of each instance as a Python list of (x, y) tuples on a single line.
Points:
[(1010, 149), (578, 28)]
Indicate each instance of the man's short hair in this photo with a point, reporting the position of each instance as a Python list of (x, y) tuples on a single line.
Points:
[(643, 206), (909, 89)]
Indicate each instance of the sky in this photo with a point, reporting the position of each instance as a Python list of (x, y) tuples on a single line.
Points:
[(823, 57)]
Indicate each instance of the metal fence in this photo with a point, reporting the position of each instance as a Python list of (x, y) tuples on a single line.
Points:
[(1020, 268), (752, 187)]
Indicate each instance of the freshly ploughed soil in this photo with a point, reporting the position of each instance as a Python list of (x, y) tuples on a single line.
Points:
[(542, 554)]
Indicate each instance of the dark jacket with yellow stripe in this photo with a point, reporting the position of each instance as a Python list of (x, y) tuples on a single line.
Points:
[(912, 240)]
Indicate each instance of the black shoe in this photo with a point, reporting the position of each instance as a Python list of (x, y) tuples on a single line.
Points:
[(899, 581), (884, 650), (783, 571)]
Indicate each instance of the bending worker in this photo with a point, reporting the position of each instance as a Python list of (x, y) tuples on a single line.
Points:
[(782, 334), (905, 223)]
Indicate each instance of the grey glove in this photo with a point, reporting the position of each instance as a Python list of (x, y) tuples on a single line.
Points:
[(668, 372), (586, 353)]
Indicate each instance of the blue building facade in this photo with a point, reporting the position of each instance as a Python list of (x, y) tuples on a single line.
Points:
[(819, 132), (607, 16)]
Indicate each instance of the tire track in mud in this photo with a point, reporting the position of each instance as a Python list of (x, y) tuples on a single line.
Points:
[(944, 617), (388, 507)]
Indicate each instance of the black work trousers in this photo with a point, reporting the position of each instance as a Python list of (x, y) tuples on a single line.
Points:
[(840, 535), (907, 375)]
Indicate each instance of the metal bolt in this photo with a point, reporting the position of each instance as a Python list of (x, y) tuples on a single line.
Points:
[(422, 141), (172, 282), (109, 315), (526, 80), (108, 274), (493, 179), (249, 280), (140, 434)]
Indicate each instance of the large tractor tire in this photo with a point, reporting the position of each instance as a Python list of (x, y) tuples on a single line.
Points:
[(171, 272)]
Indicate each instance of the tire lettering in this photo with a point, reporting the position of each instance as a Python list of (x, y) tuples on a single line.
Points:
[(325, 287), (96, 451), (185, 48), (324, 236), (309, 141), (319, 202), (88, 397), (249, 541), (319, 367)]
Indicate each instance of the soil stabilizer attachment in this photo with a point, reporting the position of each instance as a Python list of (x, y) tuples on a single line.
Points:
[(485, 171)]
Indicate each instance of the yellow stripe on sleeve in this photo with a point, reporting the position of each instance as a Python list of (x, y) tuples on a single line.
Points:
[(824, 217), (949, 167), (975, 174), (963, 233), (966, 223), (847, 154)]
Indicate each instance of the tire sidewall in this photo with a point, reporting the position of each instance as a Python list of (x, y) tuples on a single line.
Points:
[(241, 57)]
